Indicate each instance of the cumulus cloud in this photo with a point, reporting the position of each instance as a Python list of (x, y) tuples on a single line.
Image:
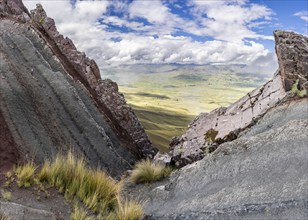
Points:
[(230, 20), (302, 15), (149, 32)]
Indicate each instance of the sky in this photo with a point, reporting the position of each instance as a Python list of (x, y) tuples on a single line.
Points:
[(201, 32)]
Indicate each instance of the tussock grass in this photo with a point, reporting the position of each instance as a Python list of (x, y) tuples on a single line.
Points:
[(80, 214), (25, 174), (6, 195), (75, 180), (126, 210), (4, 216), (146, 172), (71, 176)]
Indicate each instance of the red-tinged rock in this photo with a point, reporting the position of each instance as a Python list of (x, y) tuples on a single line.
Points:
[(292, 53), (53, 98), (105, 92)]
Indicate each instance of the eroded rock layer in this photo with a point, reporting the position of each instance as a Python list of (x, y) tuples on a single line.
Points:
[(209, 130), (53, 99)]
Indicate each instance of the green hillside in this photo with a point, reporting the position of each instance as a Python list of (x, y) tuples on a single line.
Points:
[(161, 125)]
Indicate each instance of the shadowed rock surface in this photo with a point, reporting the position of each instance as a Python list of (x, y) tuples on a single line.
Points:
[(292, 53), (20, 212), (260, 175), (226, 123), (52, 98)]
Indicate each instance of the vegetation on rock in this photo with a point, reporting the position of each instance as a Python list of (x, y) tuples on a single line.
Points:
[(296, 91), (127, 210), (146, 172), (6, 195), (25, 174)]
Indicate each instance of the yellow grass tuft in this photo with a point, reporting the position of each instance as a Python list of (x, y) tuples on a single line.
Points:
[(127, 210), (6, 195), (25, 174), (80, 214), (146, 172), (70, 175)]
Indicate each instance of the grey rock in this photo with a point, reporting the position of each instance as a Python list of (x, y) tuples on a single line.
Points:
[(193, 145), (260, 175), (162, 158), (52, 98), (19, 212), (238, 116), (105, 92), (46, 110), (292, 53)]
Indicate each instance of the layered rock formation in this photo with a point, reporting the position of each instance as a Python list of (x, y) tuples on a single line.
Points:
[(53, 98), (252, 155), (260, 175), (209, 130)]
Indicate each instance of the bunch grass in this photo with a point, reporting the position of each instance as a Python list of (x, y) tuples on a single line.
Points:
[(146, 172)]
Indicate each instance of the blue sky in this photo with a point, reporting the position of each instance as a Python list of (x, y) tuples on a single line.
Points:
[(178, 31)]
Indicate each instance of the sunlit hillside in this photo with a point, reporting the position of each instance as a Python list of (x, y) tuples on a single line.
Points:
[(167, 97)]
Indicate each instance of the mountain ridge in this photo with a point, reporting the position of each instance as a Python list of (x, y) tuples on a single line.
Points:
[(46, 65)]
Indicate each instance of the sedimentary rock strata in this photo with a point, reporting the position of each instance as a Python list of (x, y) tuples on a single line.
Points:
[(52, 97)]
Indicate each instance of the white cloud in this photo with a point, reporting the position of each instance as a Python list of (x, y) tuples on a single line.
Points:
[(227, 22), (154, 11), (302, 15)]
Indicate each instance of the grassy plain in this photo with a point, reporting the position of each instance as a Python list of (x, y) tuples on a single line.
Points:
[(166, 98)]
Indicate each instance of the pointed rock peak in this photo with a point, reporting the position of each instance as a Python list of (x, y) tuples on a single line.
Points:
[(292, 53), (13, 8)]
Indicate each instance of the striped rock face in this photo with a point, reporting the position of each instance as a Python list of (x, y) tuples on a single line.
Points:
[(52, 98)]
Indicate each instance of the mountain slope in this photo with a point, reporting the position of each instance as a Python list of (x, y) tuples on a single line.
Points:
[(52, 98), (260, 175)]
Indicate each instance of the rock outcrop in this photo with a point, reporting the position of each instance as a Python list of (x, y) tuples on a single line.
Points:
[(209, 130), (52, 97), (260, 175), (292, 53), (20, 212)]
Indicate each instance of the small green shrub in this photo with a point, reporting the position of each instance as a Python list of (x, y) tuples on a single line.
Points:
[(6, 195), (296, 91), (25, 174), (146, 172)]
